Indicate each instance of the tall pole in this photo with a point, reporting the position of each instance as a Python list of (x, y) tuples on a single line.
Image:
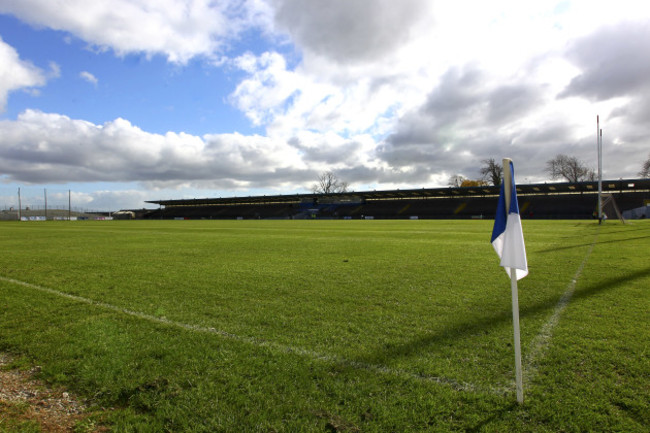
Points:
[(69, 207), (45, 195), (599, 144), (507, 178), (20, 215)]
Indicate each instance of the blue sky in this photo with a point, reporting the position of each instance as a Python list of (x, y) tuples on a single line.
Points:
[(125, 101), (152, 93)]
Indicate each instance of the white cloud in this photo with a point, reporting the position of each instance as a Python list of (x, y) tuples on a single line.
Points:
[(384, 92), (87, 76), (262, 96), (45, 148), (354, 79), (178, 30), (287, 101), (111, 200), (55, 70), (51, 148), (16, 74)]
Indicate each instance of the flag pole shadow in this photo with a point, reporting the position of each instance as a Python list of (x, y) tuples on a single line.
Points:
[(415, 346)]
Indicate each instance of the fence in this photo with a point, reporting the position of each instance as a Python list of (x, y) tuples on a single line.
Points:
[(38, 203)]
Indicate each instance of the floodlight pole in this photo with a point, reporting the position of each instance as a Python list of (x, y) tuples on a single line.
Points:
[(45, 196), (507, 179), (599, 145)]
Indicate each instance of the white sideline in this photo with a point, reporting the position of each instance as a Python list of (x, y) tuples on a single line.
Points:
[(456, 385), (542, 340)]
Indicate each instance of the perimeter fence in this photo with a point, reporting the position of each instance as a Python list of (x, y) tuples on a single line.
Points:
[(40, 204)]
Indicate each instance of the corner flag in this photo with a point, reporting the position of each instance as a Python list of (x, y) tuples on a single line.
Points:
[(508, 242), (507, 235)]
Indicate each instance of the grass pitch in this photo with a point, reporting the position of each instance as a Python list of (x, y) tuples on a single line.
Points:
[(348, 326)]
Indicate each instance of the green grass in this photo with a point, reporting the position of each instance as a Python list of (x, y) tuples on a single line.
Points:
[(291, 326)]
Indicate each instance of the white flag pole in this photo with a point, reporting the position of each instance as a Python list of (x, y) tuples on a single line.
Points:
[(507, 179)]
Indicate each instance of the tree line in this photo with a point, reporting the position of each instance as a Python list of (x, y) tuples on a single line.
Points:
[(568, 168)]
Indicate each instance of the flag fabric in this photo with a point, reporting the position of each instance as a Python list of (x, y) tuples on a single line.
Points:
[(507, 234)]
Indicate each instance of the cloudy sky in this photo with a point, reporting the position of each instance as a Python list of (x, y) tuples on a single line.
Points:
[(122, 101)]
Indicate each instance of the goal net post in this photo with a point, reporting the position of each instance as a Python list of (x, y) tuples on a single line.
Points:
[(610, 209)]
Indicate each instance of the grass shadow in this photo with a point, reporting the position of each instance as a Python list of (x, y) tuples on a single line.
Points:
[(613, 241), (468, 328), (493, 416)]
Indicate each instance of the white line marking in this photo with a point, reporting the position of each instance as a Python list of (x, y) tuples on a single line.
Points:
[(333, 359), (541, 342)]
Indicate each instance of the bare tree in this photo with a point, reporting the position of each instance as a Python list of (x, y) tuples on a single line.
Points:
[(569, 168), (328, 183), (492, 172), (456, 180), (645, 169)]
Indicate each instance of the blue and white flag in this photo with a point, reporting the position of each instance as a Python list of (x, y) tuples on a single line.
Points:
[(507, 235)]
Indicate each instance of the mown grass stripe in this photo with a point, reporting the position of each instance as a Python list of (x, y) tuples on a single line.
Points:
[(333, 359)]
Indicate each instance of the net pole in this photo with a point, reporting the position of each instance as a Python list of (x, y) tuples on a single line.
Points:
[(599, 145), (507, 178)]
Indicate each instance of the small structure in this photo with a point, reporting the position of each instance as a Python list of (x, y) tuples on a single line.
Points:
[(124, 215)]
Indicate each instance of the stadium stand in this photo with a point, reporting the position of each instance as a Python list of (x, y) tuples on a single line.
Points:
[(543, 201)]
